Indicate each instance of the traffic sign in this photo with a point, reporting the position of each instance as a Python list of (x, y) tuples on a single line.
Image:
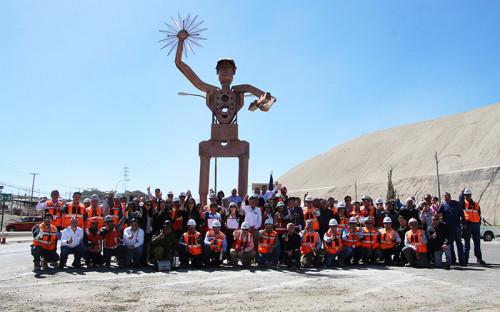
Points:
[(5, 197)]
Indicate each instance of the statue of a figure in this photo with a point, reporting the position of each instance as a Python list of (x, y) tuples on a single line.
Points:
[(224, 102)]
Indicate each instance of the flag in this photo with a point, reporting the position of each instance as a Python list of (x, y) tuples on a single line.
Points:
[(271, 187)]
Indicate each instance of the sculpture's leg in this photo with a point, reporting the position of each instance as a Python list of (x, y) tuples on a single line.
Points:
[(204, 178), (243, 175)]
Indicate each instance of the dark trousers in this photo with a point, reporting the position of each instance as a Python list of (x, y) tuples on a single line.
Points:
[(388, 253), (77, 251), (474, 230), (118, 252), (146, 252), (95, 257), (293, 259), (49, 255), (456, 238), (184, 256), (211, 256)]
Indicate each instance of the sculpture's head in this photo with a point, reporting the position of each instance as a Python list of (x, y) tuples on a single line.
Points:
[(226, 68)]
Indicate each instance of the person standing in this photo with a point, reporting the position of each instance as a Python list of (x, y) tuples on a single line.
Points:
[(73, 209), (54, 207), (472, 213), (234, 198)]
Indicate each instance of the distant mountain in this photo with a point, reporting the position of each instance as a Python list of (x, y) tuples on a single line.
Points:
[(410, 151)]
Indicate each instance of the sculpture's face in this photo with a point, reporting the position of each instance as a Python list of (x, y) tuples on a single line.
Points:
[(226, 71)]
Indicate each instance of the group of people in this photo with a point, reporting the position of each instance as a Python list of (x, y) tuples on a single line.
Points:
[(268, 228)]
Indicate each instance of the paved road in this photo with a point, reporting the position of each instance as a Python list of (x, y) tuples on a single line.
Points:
[(473, 288)]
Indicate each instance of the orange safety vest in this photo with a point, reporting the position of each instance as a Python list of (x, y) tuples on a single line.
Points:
[(218, 239), (344, 222), (415, 240), (370, 239), (280, 227), (352, 238), (471, 211), (335, 245), (266, 241), (310, 240), (369, 211), (114, 212), (48, 241), (97, 214), (111, 239), (311, 215), (241, 241), (385, 238), (177, 220), (96, 239), (192, 242), (55, 211), (74, 211)]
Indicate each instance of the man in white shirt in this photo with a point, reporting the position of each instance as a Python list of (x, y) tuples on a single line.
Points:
[(253, 216), (266, 194), (72, 243), (133, 238)]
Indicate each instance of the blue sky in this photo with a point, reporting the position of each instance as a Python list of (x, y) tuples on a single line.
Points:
[(85, 88)]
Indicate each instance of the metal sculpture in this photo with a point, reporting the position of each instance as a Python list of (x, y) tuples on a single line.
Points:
[(224, 102)]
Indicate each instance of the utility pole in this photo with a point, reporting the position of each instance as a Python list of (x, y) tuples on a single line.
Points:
[(32, 189)]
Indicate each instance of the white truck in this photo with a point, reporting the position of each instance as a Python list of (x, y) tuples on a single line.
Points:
[(488, 231)]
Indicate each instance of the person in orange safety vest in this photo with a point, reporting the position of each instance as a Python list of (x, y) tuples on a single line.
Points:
[(415, 249), (45, 237)]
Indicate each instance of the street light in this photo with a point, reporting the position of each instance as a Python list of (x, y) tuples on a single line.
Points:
[(190, 94), (437, 170), (120, 182)]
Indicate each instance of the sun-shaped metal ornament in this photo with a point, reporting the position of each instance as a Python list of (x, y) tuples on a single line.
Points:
[(188, 29)]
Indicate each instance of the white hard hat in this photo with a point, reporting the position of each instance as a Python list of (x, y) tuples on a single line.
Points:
[(412, 220), (141, 204), (213, 195), (308, 198), (245, 226), (269, 221), (387, 220), (176, 199), (366, 197), (379, 201), (280, 204), (368, 219), (94, 197), (170, 193), (467, 192), (215, 224), (191, 222), (333, 222), (409, 199), (108, 218), (86, 200), (118, 196), (341, 205), (182, 194), (353, 220)]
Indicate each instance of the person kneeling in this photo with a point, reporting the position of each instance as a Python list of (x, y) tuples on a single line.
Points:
[(190, 246), (72, 243), (269, 245), (164, 244), (332, 242), (215, 245), (415, 249), (133, 238), (93, 241), (242, 246), (44, 243), (310, 245)]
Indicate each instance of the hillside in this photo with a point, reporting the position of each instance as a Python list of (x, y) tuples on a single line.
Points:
[(410, 150)]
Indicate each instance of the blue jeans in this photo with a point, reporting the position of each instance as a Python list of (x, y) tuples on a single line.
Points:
[(133, 255), (456, 237), (329, 258), (438, 257), (347, 252), (77, 251), (474, 230), (274, 256)]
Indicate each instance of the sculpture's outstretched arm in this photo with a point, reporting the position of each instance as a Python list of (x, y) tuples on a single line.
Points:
[(264, 101), (188, 72)]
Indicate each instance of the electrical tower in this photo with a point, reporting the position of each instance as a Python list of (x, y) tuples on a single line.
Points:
[(125, 178)]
